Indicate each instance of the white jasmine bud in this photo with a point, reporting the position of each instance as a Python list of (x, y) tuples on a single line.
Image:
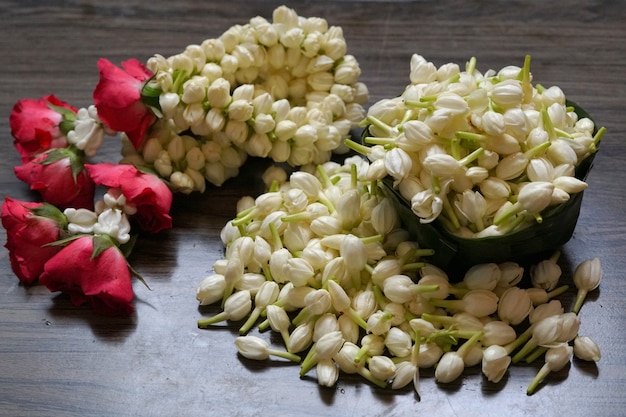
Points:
[(497, 332), (382, 367), (495, 363), (421, 71), (556, 359), (211, 289), (301, 337), (80, 220), (253, 347), (398, 342), (236, 307), (479, 303), (327, 372), (514, 305), (218, 93), (483, 276), (587, 277), (586, 349)]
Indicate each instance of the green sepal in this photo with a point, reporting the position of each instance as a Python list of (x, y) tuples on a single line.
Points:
[(68, 118), (75, 157), (100, 244), (138, 276), (51, 212), (66, 241)]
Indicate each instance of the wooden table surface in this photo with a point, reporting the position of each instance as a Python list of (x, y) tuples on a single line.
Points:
[(57, 360)]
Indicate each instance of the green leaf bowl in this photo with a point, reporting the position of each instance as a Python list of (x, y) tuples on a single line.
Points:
[(456, 254)]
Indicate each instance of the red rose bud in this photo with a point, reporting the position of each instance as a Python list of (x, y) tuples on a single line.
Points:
[(58, 176), (92, 271), (30, 227), (148, 194), (118, 99), (39, 125)]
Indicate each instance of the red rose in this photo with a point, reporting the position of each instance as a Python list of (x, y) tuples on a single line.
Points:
[(27, 233), (118, 99), (37, 125), (146, 192), (102, 279), (58, 176)]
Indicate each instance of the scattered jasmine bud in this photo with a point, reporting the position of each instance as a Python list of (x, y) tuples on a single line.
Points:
[(586, 349), (451, 364), (556, 359), (495, 362), (327, 372), (253, 347), (587, 277)]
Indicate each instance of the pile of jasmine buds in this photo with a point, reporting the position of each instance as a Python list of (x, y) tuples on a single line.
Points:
[(484, 154), (285, 90), (322, 259)]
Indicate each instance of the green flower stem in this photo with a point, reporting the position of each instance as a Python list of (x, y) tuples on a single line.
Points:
[(325, 201), (414, 266), (450, 214), (204, 323), (357, 147), (469, 344), (422, 288), (354, 179), (408, 115), (381, 300), (245, 216), (580, 299), (470, 67), (372, 239), (252, 318), (597, 137), (510, 211), (264, 325), (472, 156), (543, 372), (548, 126), (533, 152), (362, 353), (310, 360), (527, 88), (365, 373), (524, 351), (356, 318), (563, 134), (276, 240), (325, 180), (557, 291), (519, 340), (447, 304), (274, 187), (379, 124), (439, 318), (536, 354), (285, 355), (418, 104), (455, 148), (303, 316), (295, 217), (470, 136), (435, 185)]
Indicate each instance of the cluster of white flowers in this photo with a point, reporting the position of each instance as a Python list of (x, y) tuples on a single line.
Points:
[(323, 260), (483, 153), (284, 89), (88, 131), (110, 217)]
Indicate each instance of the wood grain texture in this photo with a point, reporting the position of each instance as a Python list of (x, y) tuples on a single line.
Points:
[(59, 360)]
